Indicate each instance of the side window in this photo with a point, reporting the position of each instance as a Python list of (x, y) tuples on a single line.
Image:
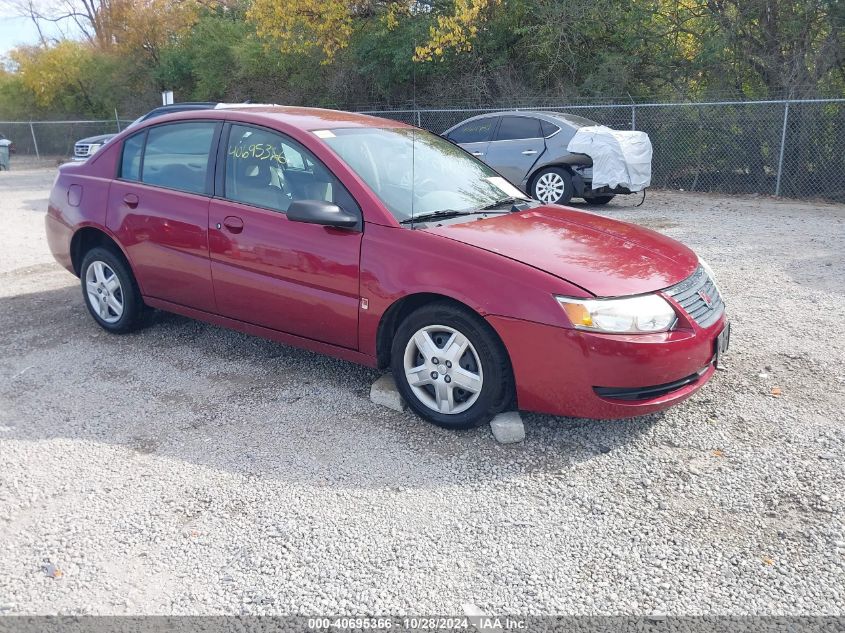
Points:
[(177, 155), (548, 128), (473, 132), (130, 161), (516, 127), (269, 170)]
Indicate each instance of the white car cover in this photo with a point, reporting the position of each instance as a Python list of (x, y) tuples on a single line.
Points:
[(621, 158)]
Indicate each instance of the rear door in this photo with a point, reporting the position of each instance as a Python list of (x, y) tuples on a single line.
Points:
[(474, 136), (515, 147), (158, 208), (288, 276)]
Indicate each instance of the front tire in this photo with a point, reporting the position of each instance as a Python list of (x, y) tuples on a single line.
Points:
[(110, 291), (450, 367), (552, 185)]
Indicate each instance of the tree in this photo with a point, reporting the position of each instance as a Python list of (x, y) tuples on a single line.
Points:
[(298, 26), (789, 46), (136, 26), (455, 30), (54, 74)]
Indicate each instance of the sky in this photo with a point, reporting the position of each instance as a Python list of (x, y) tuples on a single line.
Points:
[(16, 30)]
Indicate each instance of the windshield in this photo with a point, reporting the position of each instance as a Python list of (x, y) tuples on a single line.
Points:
[(412, 171)]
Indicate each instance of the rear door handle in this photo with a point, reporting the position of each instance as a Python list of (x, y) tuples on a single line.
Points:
[(130, 200), (478, 153), (233, 223), (529, 152)]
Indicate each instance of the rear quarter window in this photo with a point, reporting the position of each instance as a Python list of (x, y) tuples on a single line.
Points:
[(548, 128)]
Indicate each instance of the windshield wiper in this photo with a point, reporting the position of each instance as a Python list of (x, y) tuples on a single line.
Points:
[(443, 213), (503, 202)]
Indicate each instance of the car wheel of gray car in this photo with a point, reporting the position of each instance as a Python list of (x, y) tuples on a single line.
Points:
[(110, 291), (599, 199), (450, 367), (552, 185)]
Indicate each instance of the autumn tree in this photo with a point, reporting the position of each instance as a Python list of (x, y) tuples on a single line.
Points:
[(53, 73), (130, 26), (299, 26)]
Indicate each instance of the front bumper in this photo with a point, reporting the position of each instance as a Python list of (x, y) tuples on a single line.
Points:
[(562, 371)]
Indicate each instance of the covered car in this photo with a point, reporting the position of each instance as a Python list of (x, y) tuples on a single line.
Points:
[(555, 157)]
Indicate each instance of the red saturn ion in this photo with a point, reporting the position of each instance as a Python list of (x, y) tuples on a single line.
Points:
[(385, 245)]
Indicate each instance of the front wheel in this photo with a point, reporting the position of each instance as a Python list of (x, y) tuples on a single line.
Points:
[(552, 185), (450, 367)]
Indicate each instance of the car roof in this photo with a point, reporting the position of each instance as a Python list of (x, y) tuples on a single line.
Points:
[(199, 105), (179, 107), (552, 117), (306, 119)]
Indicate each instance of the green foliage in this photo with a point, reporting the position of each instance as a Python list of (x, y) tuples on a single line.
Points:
[(16, 101), (492, 52), (203, 64)]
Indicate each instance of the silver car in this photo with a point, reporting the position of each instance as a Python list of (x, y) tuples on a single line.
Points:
[(529, 149)]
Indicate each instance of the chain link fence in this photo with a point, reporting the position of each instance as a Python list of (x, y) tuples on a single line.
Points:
[(54, 139), (786, 148)]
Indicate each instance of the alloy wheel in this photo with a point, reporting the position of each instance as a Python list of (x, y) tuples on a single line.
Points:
[(104, 292), (443, 369), (550, 187)]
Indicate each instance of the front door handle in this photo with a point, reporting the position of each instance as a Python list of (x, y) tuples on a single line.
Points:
[(233, 224), (529, 152), (130, 200), (478, 153)]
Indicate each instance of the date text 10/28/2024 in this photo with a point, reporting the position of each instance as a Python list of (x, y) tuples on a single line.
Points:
[(479, 623)]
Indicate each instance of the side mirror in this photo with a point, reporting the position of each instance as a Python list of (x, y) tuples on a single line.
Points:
[(321, 212)]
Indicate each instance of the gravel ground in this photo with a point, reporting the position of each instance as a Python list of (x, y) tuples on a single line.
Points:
[(187, 469)]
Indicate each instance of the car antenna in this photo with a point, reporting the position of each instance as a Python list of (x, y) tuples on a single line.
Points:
[(413, 111)]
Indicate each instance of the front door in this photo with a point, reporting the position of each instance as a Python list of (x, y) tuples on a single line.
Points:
[(158, 209), (288, 276), (474, 136)]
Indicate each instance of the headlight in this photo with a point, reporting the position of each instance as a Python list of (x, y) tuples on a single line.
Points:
[(647, 313), (92, 149)]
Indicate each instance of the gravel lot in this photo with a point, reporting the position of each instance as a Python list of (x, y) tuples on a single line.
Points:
[(189, 469)]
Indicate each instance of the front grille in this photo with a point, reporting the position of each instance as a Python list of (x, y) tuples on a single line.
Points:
[(80, 150), (688, 295)]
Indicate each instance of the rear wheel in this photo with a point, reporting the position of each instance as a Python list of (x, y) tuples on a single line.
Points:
[(599, 199), (110, 291), (552, 185), (450, 367)]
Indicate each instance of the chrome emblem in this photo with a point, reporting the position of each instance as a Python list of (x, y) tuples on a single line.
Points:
[(705, 298)]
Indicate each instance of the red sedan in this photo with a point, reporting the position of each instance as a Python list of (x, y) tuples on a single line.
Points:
[(385, 245)]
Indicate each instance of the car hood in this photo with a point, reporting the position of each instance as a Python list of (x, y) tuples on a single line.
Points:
[(102, 138), (606, 257)]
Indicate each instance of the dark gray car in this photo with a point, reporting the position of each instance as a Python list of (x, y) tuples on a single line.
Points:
[(530, 150)]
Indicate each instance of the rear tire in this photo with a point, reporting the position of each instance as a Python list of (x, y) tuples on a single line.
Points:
[(450, 367), (552, 185), (110, 291), (599, 199)]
